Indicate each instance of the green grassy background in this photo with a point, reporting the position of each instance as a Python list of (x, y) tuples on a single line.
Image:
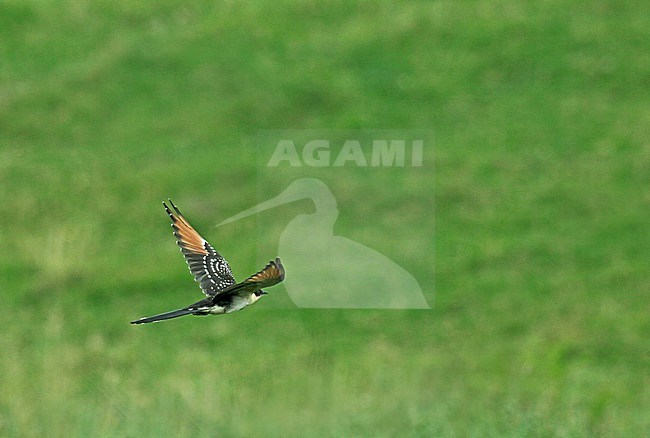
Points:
[(541, 117)]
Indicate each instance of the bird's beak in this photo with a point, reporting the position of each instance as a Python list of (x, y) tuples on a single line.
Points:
[(264, 292), (290, 194)]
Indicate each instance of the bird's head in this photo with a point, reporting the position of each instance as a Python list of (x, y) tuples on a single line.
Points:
[(259, 293)]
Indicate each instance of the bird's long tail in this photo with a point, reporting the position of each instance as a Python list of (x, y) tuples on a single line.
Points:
[(162, 316)]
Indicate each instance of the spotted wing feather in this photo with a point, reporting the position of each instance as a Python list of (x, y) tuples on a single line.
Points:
[(209, 268)]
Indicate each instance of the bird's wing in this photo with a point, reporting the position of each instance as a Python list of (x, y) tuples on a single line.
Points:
[(209, 268), (273, 273)]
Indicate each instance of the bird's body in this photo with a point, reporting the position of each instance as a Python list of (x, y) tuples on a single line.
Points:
[(211, 270), (348, 274)]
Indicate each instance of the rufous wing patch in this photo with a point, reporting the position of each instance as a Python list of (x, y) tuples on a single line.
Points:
[(271, 274), (187, 237)]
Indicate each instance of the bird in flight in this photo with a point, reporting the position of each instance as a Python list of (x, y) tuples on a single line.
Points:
[(214, 275)]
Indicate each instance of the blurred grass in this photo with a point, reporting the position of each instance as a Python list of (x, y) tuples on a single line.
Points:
[(541, 118)]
